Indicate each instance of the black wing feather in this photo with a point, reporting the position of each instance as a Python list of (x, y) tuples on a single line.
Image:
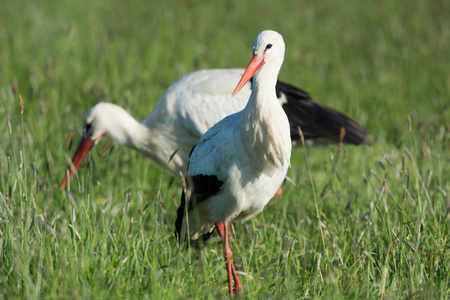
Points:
[(201, 187), (316, 120)]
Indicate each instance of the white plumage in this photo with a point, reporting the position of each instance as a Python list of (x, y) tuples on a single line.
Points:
[(238, 164)]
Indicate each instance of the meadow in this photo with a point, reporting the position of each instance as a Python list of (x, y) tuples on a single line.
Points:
[(353, 222)]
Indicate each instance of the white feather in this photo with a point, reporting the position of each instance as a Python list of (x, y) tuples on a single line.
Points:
[(249, 151)]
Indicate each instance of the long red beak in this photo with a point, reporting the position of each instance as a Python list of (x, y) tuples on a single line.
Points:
[(253, 66), (83, 147)]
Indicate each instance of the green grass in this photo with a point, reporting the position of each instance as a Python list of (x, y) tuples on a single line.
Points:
[(363, 222)]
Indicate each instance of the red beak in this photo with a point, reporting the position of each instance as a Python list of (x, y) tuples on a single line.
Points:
[(253, 66), (83, 147)]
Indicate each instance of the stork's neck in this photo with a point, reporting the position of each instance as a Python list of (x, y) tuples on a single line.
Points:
[(263, 99), (266, 126), (134, 135), (264, 82), (149, 141)]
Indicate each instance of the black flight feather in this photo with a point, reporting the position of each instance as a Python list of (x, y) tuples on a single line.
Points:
[(201, 188), (316, 120)]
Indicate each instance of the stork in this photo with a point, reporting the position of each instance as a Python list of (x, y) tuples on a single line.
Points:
[(239, 163)]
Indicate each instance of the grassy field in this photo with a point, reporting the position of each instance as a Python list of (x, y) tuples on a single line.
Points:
[(360, 222)]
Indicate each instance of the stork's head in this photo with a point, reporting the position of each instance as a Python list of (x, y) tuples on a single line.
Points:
[(268, 49), (102, 119)]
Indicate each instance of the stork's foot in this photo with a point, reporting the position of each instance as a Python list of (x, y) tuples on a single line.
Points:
[(237, 284), (222, 229)]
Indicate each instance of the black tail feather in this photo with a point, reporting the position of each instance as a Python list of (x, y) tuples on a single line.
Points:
[(316, 120)]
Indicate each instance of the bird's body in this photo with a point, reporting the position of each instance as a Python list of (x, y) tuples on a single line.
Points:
[(192, 105), (238, 164)]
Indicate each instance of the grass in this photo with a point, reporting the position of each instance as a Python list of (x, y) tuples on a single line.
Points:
[(359, 222)]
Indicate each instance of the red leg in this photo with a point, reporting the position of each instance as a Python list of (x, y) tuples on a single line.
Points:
[(237, 283), (222, 229), (228, 255)]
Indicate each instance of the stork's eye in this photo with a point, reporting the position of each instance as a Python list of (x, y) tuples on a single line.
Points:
[(87, 127), (268, 46)]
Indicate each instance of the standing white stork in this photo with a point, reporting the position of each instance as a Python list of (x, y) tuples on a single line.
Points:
[(192, 105), (238, 164)]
